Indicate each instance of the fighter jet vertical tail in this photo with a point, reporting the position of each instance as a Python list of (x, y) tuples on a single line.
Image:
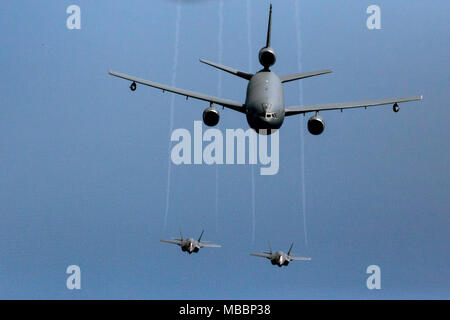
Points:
[(199, 238), (270, 248), (267, 55), (289, 252)]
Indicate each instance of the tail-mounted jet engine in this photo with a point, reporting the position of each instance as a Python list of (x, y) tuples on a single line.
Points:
[(267, 57), (316, 125), (211, 116)]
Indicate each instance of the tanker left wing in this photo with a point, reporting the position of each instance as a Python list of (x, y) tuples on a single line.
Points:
[(290, 111)]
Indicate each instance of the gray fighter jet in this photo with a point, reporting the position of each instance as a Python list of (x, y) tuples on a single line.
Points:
[(264, 104), (190, 245), (279, 258)]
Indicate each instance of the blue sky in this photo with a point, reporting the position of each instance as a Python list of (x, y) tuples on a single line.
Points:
[(84, 161)]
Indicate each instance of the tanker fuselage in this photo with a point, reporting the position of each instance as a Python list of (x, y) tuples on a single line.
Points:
[(265, 101)]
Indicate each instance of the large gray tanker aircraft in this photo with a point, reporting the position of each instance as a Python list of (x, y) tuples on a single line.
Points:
[(264, 104)]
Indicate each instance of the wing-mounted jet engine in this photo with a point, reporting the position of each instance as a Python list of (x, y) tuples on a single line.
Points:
[(316, 124), (211, 116)]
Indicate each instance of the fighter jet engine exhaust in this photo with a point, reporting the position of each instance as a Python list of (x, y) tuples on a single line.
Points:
[(316, 124), (211, 116)]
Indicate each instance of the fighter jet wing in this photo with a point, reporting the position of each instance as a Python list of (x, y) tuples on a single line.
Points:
[(299, 258), (290, 111), (172, 241), (262, 255), (209, 245), (223, 102)]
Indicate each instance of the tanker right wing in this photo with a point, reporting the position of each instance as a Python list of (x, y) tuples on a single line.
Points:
[(211, 99)]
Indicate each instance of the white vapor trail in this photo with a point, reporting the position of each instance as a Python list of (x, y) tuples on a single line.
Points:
[(220, 44), (302, 131), (250, 67), (172, 105), (219, 93)]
